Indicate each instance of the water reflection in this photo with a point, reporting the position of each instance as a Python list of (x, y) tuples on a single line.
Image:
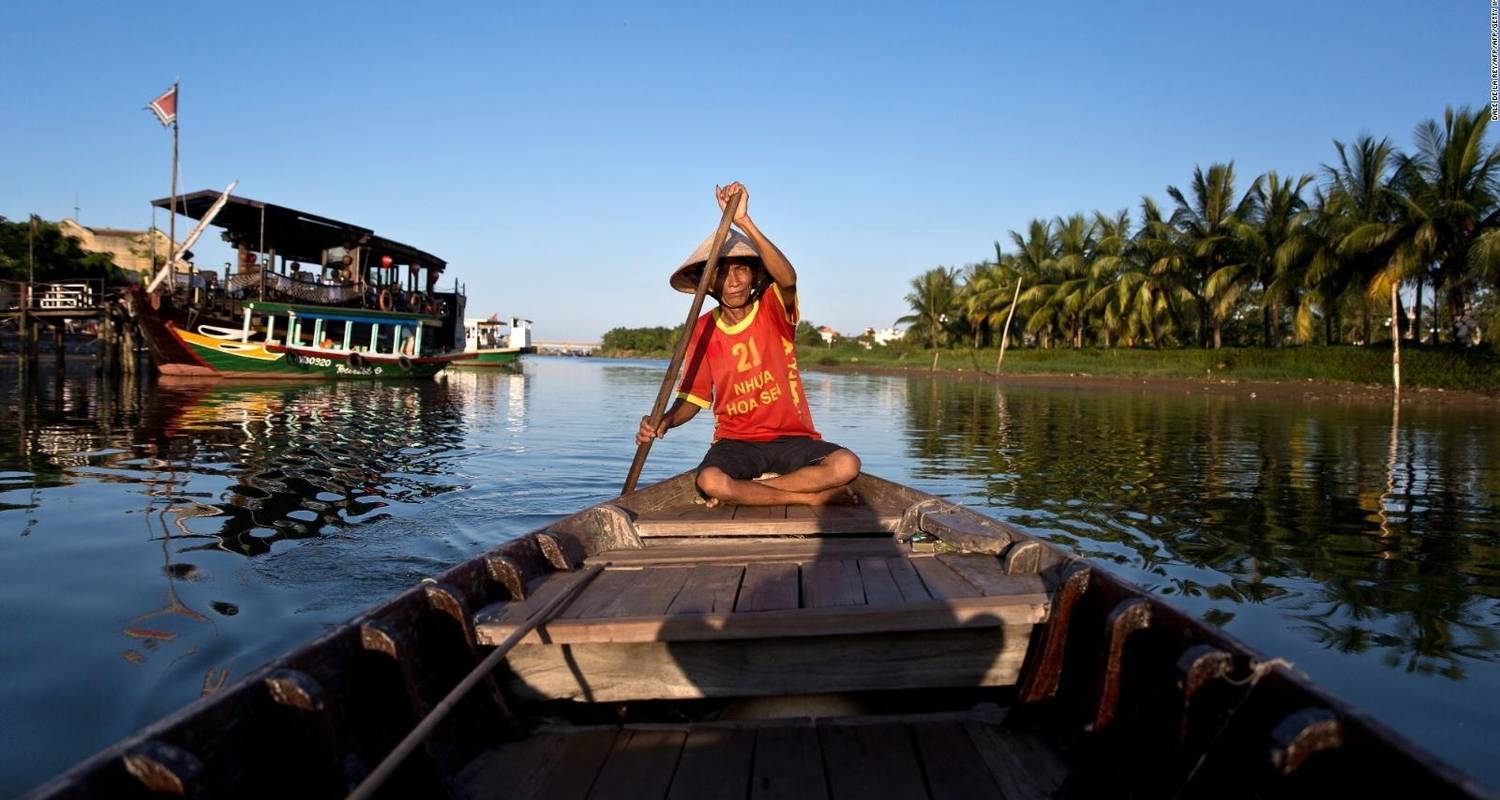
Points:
[(239, 468), (1364, 542)]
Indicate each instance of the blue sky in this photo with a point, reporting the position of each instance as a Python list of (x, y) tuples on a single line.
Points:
[(562, 155)]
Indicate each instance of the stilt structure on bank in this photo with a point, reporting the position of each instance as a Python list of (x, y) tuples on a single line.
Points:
[(57, 309)]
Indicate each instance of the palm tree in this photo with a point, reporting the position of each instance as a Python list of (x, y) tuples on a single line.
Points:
[(1072, 270), (932, 300), (1209, 225), (1163, 286), (1278, 204), (1363, 208), (1450, 215), (1033, 258), (975, 296)]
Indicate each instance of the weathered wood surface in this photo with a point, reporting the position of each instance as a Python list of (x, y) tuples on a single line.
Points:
[(768, 587), (966, 612), (936, 756), (799, 521), (745, 552), (771, 600), (609, 672)]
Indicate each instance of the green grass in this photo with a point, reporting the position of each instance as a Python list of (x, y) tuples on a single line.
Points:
[(1435, 368), (1470, 368)]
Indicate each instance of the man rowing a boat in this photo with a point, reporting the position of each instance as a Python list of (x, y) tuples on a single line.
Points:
[(742, 362)]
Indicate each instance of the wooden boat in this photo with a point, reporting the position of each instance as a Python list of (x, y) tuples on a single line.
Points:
[(904, 647), (493, 349), (377, 314)]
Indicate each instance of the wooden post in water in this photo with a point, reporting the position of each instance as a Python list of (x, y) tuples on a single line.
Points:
[(101, 340), (59, 337), (1005, 334), (28, 353), (1395, 340), (127, 347)]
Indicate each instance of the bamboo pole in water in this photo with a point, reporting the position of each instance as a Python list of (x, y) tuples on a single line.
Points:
[(1395, 340), (1005, 334)]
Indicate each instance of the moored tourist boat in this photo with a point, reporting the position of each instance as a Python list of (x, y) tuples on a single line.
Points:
[(494, 348), (650, 646), (370, 308)]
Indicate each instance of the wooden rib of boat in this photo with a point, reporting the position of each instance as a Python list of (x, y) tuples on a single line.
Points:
[(905, 647)]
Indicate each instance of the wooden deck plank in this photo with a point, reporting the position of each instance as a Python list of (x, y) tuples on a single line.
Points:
[(1022, 773), (941, 581), (985, 572), (715, 765), (576, 765), (798, 520), (601, 592), (880, 588), (865, 761), (694, 512), (539, 592), (709, 588), (827, 584), (610, 672), (641, 765), (788, 765), (951, 762), (786, 622), (907, 580), (738, 552), (650, 594), (513, 769), (746, 513), (768, 587)]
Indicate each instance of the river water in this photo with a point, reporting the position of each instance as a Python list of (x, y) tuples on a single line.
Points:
[(160, 539)]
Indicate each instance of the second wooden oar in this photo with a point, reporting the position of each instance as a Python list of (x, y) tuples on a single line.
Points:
[(662, 394)]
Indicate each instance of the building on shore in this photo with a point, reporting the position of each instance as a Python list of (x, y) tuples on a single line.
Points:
[(131, 250)]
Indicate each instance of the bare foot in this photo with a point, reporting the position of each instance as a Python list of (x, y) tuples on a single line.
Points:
[(711, 502), (837, 496)]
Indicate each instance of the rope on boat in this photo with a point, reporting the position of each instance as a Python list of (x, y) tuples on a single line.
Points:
[(1257, 671), (388, 765)]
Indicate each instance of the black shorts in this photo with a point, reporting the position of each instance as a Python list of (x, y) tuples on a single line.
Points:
[(744, 461)]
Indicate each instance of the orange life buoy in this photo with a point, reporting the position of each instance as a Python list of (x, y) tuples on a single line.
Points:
[(385, 300)]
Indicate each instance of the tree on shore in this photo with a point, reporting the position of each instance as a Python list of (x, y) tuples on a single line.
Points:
[(57, 256), (1309, 251), (934, 303)]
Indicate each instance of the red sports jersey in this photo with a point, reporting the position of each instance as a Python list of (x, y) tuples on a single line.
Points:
[(748, 373)]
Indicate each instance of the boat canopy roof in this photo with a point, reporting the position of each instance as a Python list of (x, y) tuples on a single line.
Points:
[(295, 235)]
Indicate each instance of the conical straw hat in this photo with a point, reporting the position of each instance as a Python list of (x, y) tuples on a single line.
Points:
[(736, 245)]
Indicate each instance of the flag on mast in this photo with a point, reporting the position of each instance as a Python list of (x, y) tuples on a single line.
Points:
[(165, 106)]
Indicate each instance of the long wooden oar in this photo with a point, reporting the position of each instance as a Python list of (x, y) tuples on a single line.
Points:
[(662, 394), (541, 616)]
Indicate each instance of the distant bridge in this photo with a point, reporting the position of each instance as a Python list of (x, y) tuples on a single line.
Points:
[(561, 348)]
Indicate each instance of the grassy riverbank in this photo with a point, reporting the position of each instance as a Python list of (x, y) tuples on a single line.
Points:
[(1471, 369)]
